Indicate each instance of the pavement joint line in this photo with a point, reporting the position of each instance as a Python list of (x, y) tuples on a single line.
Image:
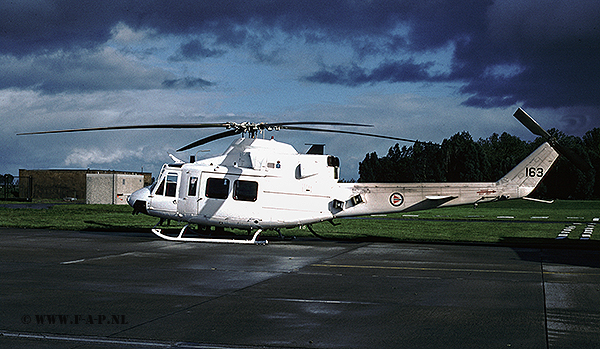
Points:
[(117, 341), (321, 301), (424, 268), (73, 262), (570, 273), (545, 297), (98, 258), (144, 250), (348, 266)]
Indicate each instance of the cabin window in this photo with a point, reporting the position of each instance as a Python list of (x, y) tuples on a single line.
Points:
[(217, 188), (245, 190), (193, 187), (171, 187)]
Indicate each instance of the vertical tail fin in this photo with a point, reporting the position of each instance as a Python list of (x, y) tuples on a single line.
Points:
[(523, 179)]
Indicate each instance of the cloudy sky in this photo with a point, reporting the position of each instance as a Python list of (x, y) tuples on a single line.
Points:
[(415, 69)]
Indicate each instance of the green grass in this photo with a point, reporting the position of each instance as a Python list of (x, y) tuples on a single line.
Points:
[(487, 223), (74, 217)]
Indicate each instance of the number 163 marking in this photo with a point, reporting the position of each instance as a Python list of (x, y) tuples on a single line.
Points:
[(534, 171)]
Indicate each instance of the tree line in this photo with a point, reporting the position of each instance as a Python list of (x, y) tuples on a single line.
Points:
[(462, 159)]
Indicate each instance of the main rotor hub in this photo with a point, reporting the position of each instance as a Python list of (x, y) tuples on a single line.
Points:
[(251, 128)]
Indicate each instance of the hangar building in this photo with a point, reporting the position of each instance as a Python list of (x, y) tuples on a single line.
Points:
[(93, 186)]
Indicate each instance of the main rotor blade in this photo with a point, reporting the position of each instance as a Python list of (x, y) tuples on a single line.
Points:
[(209, 139), (347, 132), (234, 128), (130, 127), (317, 123)]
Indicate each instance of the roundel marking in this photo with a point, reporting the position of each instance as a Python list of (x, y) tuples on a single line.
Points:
[(396, 199)]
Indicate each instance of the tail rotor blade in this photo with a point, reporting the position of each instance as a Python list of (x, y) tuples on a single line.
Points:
[(531, 124), (536, 129), (570, 154)]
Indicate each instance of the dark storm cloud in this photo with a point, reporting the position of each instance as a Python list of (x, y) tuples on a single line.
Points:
[(29, 27), (535, 53), (195, 50), (402, 71), (78, 72), (550, 47), (556, 44), (187, 82)]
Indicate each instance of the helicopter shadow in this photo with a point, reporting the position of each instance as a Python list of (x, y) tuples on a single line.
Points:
[(101, 228), (581, 253)]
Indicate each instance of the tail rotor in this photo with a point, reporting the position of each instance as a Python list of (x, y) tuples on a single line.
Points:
[(536, 129)]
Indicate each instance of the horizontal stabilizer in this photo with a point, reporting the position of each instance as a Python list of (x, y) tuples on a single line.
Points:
[(539, 200), (440, 197)]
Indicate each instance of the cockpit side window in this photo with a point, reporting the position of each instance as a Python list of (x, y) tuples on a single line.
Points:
[(160, 190), (171, 187)]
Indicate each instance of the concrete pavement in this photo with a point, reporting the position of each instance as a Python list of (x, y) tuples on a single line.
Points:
[(62, 289)]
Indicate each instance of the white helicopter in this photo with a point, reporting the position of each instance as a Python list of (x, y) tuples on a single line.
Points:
[(265, 184)]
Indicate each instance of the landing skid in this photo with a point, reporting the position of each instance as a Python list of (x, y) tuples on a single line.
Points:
[(180, 237)]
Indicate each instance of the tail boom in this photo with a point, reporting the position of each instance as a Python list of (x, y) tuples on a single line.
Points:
[(379, 198)]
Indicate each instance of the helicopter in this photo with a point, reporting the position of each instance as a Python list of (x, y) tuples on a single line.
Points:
[(263, 184)]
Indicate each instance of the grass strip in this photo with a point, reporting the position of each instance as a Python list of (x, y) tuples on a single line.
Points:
[(489, 223)]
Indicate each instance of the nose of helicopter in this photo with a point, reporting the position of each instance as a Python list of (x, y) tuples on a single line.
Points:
[(138, 200)]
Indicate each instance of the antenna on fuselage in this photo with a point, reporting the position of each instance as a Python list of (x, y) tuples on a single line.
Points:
[(193, 156)]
